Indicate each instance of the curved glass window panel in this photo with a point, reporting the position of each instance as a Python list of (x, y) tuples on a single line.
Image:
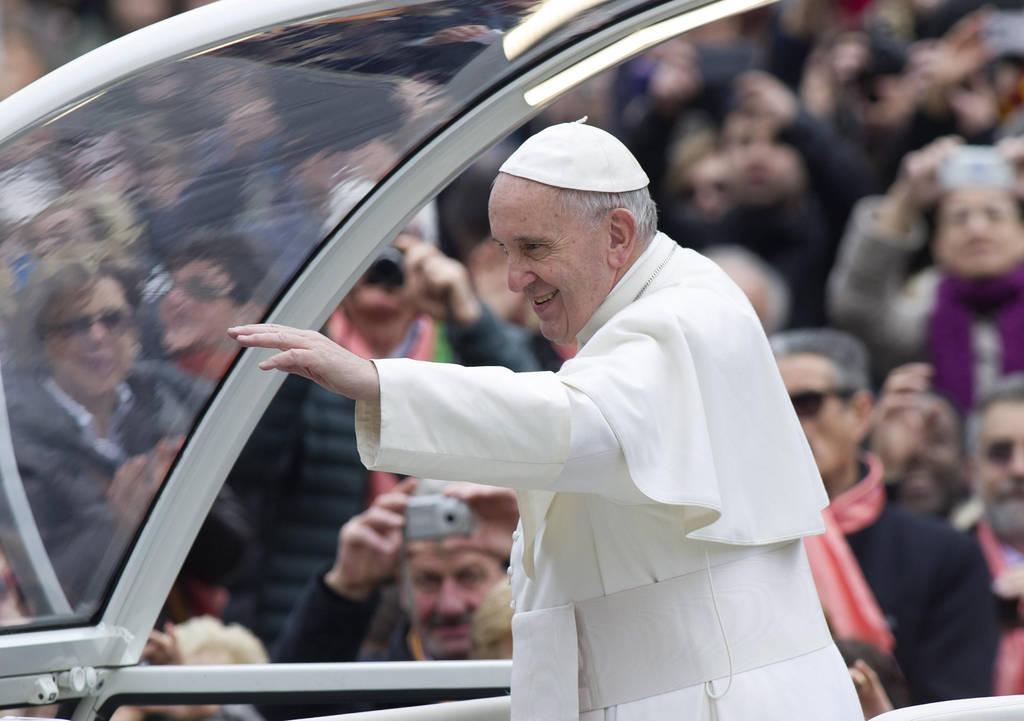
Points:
[(141, 223)]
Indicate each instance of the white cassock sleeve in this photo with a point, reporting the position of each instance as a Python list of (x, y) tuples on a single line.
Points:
[(488, 425), (681, 383)]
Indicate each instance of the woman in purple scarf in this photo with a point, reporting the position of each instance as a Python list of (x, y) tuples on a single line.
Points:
[(965, 315)]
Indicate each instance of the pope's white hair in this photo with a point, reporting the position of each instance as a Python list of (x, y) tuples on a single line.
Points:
[(595, 205)]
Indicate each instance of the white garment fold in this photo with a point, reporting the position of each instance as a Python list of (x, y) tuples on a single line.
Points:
[(669, 433), (685, 381)]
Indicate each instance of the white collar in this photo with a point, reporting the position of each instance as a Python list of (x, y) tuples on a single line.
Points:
[(109, 446), (631, 285)]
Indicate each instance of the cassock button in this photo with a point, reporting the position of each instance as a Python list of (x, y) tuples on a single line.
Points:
[(512, 604), (510, 571)]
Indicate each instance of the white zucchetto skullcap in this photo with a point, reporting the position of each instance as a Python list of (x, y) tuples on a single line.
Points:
[(579, 157)]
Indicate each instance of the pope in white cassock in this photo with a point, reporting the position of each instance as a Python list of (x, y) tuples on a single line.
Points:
[(664, 481)]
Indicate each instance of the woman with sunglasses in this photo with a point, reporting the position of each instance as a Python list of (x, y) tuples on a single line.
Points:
[(94, 431)]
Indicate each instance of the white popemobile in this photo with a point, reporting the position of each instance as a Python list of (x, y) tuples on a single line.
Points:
[(240, 98)]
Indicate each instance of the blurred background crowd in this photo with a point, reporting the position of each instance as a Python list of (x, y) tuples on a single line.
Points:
[(40, 35), (857, 167)]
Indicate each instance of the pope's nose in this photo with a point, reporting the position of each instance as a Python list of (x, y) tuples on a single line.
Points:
[(518, 277)]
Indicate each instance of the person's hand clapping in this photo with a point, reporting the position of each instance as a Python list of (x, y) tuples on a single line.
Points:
[(136, 481), (312, 355)]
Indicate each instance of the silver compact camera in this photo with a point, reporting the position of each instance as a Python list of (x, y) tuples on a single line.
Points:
[(976, 166), (435, 516)]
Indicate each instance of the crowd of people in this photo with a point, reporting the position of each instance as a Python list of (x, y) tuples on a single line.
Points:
[(855, 166)]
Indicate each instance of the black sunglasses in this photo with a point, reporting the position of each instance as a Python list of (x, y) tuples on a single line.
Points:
[(197, 289), (1000, 451), (113, 321), (807, 404)]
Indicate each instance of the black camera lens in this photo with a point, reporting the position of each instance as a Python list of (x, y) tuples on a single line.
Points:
[(386, 269)]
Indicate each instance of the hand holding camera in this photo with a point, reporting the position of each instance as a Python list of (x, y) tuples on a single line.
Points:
[(370, 544), (918, 186), (440, 286)]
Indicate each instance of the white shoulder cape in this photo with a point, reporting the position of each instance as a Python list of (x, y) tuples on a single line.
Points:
[(686, 379), (677, 363)]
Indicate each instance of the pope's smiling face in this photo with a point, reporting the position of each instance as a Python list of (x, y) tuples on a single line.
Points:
[(564, 264)]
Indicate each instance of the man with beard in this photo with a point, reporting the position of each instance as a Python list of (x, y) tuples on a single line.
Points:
[(441, 582), (997, 463)]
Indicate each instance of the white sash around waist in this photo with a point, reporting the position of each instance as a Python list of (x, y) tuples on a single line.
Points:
[(665, 636)]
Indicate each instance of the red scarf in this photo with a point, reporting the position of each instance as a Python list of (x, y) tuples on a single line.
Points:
[(850, 605), (344, 333), (1010, 659), (210, 363)]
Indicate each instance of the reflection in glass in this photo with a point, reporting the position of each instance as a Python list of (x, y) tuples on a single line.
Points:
[(84, 224), (94, 429), (216, 178), (12, 601), (212, 282)]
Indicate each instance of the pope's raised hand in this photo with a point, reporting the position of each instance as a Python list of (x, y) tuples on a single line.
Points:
[(314, 356)]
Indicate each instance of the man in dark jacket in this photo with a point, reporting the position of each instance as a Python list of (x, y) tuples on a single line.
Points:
[(928, 583), (441, 582)]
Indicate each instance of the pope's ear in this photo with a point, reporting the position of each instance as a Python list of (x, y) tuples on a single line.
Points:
[(621, 236)]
